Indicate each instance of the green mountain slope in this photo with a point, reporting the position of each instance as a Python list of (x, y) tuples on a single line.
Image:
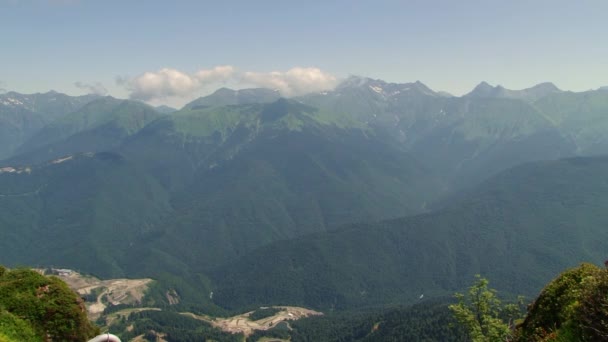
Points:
[(202, 187), (465, 139), (484, 90), (16, 126), (227, 97), (583, 117), (22, 115), (485, 136), (289, 185), (52, 104), (182, 194), (165, 109), (84, 212), (271, 172), (175, 147), (99, 126), (519, 228)]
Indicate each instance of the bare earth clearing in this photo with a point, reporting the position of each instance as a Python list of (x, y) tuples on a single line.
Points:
[(236, 324), (131, 291), (242, 323), (112, 291)]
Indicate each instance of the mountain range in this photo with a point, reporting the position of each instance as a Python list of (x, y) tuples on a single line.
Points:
[(23, 115), (368, 194)]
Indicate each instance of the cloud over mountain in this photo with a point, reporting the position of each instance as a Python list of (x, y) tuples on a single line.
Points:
[(295, 81), (168, 82)]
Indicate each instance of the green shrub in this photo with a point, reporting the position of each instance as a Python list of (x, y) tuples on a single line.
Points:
[(572, 307), (46, 304), (12, 328)]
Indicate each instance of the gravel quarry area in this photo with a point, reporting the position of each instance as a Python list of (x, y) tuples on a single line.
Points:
[(111, 291), (131, 291), (243, 324)]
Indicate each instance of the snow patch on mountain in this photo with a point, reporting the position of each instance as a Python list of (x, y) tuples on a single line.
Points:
[(377, 89), (11, 102)]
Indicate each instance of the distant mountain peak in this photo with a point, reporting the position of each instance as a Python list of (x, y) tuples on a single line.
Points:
[(226, 96), (384, 88), (548, 86), (13, 93), (224, 90), (164, 109), (355, 81), (424, 88), (483, 89)]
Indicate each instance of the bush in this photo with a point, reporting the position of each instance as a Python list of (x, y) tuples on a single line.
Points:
[(45, 304), (572, 307)]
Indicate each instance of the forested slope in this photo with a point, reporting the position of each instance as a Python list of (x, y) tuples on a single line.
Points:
[(518, 229)]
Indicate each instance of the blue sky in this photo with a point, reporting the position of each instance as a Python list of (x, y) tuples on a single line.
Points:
[(449, 45)]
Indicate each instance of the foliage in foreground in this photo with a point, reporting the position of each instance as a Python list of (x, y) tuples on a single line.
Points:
[(13, 328), (35, 308), (572, 307), (483, 315)]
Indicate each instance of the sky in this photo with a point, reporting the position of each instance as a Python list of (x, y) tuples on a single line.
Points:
[(174, 51)]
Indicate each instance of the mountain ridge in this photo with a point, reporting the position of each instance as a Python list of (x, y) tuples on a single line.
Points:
[(531, 94), (225, 180), (225, 96)]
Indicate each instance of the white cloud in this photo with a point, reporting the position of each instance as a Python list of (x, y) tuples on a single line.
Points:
[(295, 81), (169, 82), (220, 73), (95, 88), (162, 83)]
